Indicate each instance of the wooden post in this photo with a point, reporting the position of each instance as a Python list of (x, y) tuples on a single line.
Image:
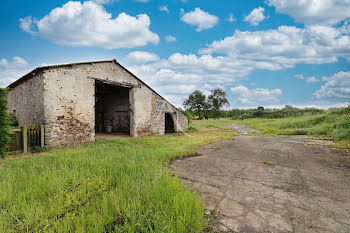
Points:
[(25, 139), (42, 134)]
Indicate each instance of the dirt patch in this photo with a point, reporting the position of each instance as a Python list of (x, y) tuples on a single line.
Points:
[(243, 129), (307, 189)]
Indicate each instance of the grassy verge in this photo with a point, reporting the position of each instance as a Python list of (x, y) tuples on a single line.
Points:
[(333, 125), (110, 186)]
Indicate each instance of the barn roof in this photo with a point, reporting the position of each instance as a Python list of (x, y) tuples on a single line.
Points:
[(43, 68)]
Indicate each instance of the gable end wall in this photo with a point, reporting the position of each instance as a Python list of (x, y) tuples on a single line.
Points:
[(26, 101)]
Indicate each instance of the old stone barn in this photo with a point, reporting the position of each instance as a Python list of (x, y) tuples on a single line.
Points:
[(76, 102)]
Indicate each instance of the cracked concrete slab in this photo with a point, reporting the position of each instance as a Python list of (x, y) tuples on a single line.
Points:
[(272, 184)]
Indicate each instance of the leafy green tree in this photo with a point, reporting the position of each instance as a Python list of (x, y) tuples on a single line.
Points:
[(4, 123), (195, 102), (207, 110), (217, 100)]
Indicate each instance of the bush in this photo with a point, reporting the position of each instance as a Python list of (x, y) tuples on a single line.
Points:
[(4, 123), (12, 120)]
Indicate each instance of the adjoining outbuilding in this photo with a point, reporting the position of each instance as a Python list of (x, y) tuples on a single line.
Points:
[(77, 101)]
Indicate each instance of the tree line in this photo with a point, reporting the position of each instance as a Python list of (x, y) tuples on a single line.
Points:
[(198, 104), (261, 112)]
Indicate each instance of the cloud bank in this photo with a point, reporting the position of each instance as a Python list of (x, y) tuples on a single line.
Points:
[(89, 24)]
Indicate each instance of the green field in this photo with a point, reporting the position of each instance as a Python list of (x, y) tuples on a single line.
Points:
[(124, 185), (333, 125), (119, 185)]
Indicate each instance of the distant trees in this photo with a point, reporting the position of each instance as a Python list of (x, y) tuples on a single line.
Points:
[(196, 102), (217, 100), (200, 105), (288, 111), (4, 123)]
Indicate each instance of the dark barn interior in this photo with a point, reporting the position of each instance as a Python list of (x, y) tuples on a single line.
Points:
[(112, 106), (169, 123)]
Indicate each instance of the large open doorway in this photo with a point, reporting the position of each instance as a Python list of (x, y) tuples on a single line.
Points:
[(169, 123), (112, 109)]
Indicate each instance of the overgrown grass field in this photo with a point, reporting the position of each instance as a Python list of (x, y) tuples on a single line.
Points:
[(124, 185), (334, 125), (120, 185)]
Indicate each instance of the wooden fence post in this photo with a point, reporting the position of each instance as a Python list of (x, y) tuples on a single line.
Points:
[(25, 139), (42, 134)]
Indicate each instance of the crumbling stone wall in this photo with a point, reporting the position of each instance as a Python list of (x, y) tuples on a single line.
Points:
[(26, 101), (69, 113), (63, 98), (70, 101)]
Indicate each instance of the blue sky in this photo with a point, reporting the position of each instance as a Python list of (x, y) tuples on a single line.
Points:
[(269, 53)]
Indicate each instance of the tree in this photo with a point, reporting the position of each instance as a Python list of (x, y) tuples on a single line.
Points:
[(261, 108), (217, 100), (195, 102), (4, 124)]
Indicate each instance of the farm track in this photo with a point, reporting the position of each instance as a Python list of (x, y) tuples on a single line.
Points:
[(271, 184)]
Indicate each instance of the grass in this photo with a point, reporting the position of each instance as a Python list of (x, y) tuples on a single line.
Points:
[(269, 163), (124, 185), (333, 125), (119, 185)]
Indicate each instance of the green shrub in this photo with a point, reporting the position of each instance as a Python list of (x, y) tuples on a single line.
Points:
[(4, 123), (12, 120)]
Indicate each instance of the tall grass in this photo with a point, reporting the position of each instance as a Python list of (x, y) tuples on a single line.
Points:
[(334, 125), (111, 186)]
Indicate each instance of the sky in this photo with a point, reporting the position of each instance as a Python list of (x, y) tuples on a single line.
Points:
[(267, 53)]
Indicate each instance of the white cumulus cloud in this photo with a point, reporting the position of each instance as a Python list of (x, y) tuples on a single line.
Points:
[(104, 1), (164, 8), (336, 88), (231, 18), (10, 71), (170, 38), (286, 46), (299, 76), (320, 12), (227, 61), (312, 80), (256, 16), (89, 24), (243, 95), (201, 19), (142, 57)]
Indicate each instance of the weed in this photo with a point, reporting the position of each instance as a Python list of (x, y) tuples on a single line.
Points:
[(271, 149), (269, 163)]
